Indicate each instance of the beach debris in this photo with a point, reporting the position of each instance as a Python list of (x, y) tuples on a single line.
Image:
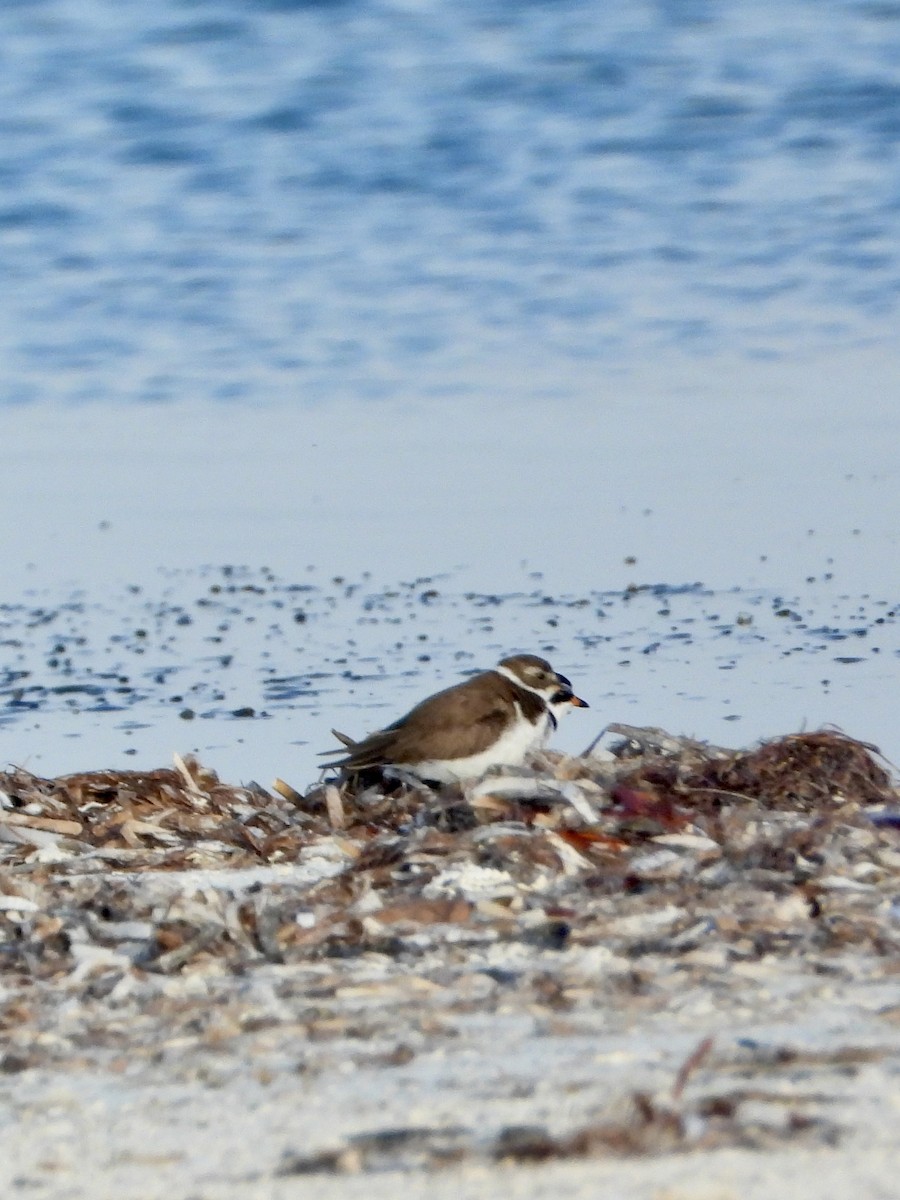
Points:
[(372, 916), (636, 1125)]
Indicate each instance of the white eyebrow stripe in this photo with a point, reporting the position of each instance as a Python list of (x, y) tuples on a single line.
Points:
[(518, 682)]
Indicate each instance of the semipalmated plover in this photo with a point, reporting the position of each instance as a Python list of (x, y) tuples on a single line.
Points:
[(495, 718)]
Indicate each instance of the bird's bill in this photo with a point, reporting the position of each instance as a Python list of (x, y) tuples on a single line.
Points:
[(567, 696)]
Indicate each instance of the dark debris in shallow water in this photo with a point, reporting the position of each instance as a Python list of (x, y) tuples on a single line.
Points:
[(214, 642)]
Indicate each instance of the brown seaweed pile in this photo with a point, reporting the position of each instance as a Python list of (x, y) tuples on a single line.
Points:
[(573, 848), (678, 860)]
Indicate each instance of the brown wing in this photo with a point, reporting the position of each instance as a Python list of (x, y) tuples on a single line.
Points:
[(461, 720)]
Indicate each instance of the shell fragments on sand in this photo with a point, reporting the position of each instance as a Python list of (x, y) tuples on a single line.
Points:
[(135, 902)]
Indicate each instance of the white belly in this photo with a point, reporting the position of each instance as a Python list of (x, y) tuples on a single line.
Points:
[(510, 750)]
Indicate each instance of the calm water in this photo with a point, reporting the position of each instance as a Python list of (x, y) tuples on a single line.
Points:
[(282, 198)]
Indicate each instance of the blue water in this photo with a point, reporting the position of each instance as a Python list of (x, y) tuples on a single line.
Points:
[(272, 199)]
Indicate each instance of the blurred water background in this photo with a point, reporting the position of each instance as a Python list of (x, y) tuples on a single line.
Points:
[(273, 197), (600, 295)]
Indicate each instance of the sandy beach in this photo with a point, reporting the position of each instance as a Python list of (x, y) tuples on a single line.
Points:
[(574, 978), (244, 1118)]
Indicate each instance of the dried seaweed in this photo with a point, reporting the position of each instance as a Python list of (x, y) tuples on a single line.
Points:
[(643, 1125), (678, 862)]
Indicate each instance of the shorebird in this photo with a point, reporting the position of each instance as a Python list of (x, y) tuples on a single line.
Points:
[(495, 718)]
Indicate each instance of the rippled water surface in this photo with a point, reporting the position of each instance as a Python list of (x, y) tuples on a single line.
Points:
[(286, 198)]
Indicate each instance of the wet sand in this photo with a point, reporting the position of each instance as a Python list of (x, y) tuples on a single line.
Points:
[(252, 670)]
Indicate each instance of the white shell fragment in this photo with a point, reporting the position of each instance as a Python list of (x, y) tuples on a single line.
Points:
[(17, 904), (840, 883), (471, 882), (527, 788), (641, 925), (661, 864), (688, 841)]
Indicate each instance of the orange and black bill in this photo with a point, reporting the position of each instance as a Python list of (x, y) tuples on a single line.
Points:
[(565, 695)]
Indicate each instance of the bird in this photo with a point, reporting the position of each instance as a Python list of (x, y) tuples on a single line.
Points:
[(496, 717)]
